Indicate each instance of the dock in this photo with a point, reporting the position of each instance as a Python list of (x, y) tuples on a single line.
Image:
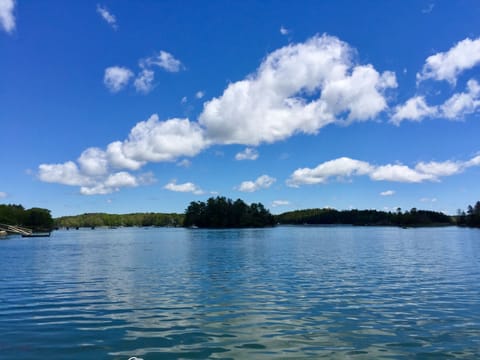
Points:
[(20, 230)]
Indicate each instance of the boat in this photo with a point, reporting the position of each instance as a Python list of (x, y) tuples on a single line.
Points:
[(45, 234), (3, 233)]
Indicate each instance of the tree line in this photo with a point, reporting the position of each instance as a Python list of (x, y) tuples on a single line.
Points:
[(328, 216), (471, 217), (115, 220), (221, 212), (37, 219)]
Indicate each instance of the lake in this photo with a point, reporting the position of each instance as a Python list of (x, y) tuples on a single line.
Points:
[(284, 292)]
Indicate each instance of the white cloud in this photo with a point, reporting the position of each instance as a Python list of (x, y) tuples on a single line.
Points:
[(184, 100), (186, 187), (96, 170), (462, 104), (263, 182), (247, 154), (387, 193), (298, 88), (338, 168), (67, 173), (144, 81), (7, 19), (163, 60), (415, 109), (284, 30), (438, 169), (93, 162), (116, 78), (107, 16), (277, 203), (200, 94), (454, 108), (450, 64), (3, 194), (118, 159), (346, 167), (157, 141), (399, 173)]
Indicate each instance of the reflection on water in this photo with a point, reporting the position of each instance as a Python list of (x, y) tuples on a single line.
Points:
[(286, 292)]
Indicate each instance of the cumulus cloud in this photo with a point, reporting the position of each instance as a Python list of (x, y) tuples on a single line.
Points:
[(338, 168), (263, 182), (186, 187), (157, 141), (107, 16), (247, 154), (7, 19), (299, 88), (99, 171), (164, 60), (387, 193), (144, 81), (456, 107), (346, 167), (462, 104), (277, 203), (116, 78), (95, 182), (450, 64), (414, 109)]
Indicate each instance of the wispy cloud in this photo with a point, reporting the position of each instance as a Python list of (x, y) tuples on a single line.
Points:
[(277, 203), (263, 182), (247, 154), (164, 60), (284, 30), (387, 193), (428, 9), (107, 16), (200, 94), (7, 18), (184, 163), (3, 194)]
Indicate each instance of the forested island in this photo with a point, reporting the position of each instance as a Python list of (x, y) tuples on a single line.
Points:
[(327, 216), (37, 219), (220, 212)]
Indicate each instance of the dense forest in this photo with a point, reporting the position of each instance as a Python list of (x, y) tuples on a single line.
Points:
[(471, 217), (413, 217), (37, 219), (221, 212), (114, 220)]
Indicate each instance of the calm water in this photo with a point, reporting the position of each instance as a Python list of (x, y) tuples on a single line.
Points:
[(286, 293)]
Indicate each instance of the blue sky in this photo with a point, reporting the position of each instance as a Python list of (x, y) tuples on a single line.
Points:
[(121, 106)]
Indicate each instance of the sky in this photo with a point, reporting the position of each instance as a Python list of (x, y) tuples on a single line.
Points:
[(145, 106)]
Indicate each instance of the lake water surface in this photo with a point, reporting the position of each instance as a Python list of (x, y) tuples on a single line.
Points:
[(278, 293)]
